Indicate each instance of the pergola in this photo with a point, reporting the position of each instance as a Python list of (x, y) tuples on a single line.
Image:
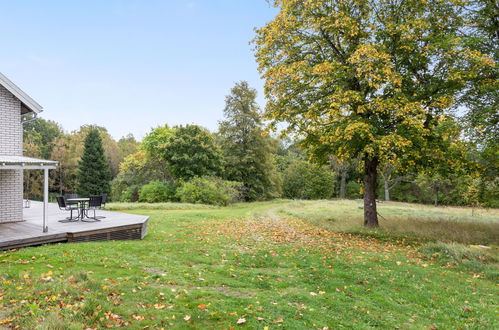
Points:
[(27, 163)]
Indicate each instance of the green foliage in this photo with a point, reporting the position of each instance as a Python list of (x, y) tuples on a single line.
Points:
[(122, 206), (94, 175), (209, 190), (157, 192), (247, 150), (353, 190), (156, 142), (127, 145), (45, 132), (130, 194), (302, 180), (137, 169), (369, 79), (191, 151), (482, 95)]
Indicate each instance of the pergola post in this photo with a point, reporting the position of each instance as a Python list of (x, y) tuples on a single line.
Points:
[(45, 198)]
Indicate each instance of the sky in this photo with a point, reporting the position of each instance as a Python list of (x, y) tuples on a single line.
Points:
[(131, 65)]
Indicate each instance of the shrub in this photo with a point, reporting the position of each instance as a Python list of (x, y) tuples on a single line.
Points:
[(157, 192), (209, 190), (303, 180), (354, 190), (131, 194), (158, 206)]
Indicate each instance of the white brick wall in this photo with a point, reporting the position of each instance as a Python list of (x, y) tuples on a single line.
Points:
[(11, 195), (11, 136)]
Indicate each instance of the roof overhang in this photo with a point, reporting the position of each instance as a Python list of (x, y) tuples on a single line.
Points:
[(28, 105), (25, 163)]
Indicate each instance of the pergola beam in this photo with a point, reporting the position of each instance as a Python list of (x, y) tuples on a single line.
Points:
[(27, 167), (27, 163)]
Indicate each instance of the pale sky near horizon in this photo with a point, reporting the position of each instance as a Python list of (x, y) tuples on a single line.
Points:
[(131, 65)]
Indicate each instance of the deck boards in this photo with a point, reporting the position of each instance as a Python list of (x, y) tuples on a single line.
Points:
[(29, 232)]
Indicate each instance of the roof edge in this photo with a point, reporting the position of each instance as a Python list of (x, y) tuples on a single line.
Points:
[(19, 94)]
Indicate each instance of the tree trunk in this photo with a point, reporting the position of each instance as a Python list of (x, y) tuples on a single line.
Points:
[(436, 197), (370, 176), (343, 184), (387, 189)]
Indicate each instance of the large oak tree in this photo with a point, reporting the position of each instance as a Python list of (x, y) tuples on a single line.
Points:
[(365, 78)]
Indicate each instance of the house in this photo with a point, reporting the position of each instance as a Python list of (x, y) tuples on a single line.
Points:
[(16, 107)]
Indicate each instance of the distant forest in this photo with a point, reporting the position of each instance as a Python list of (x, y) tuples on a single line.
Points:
[(242, 162)]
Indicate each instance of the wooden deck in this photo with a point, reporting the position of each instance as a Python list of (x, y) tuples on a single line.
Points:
[(116, 226)]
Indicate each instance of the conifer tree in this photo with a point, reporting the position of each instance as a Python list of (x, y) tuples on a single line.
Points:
[(248, 152), (94, 175)]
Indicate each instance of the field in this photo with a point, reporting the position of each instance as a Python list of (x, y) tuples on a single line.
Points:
[(282, 264)]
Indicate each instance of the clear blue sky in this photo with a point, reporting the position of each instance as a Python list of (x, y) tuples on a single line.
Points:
[(131, 65)]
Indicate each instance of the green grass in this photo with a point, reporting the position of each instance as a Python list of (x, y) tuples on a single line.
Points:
[(408, 221), (275, 264)]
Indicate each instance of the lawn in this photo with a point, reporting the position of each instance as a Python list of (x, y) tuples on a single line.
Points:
[(280, 264)]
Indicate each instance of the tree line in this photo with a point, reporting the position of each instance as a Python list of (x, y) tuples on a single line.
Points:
[(239, 162), (371, 98)]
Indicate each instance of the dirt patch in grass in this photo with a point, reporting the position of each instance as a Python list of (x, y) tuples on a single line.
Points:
[(231, 292)]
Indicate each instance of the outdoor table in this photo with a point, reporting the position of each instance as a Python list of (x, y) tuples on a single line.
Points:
[(81, 205)]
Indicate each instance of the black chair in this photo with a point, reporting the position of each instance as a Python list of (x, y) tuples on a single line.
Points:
[(104, 199), (66, 207), (94, 204), (69, 196)]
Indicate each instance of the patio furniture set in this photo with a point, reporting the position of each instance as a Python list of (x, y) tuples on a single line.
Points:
[(82, 206)]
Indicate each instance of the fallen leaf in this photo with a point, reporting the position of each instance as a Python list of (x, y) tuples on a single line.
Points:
[(5, 321), (187, 318), (201, 306), (241, 321)]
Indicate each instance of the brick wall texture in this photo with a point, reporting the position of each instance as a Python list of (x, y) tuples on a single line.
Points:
[(11, 136)]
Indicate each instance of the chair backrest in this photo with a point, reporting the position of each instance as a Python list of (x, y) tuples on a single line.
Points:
[(95, 201), (104, 198), (61, 202)]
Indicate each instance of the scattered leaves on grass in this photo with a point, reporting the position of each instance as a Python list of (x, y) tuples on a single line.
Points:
[(159, 305)]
